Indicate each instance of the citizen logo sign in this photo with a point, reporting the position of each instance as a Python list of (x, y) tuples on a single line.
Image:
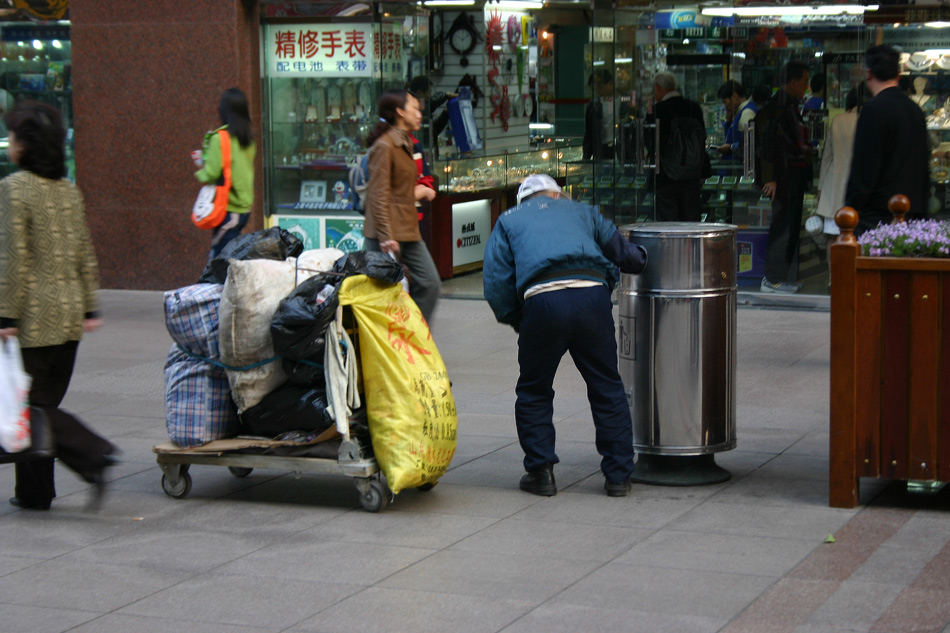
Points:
[(470, 240)]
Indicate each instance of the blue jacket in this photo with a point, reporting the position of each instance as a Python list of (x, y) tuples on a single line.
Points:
[(544, 240), (733, 135)]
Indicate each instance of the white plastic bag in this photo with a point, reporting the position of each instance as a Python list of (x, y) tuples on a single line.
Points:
[(405, 280), (14, 399)]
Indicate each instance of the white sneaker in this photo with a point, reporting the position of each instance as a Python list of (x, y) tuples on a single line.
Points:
[(783, 287)]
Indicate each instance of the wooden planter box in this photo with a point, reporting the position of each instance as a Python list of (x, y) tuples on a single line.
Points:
[(890, 367)]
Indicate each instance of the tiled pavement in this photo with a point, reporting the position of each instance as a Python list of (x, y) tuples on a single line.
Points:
[(279, 552)]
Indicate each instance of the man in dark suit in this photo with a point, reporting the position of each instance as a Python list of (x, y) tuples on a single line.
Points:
[(785, 159), (678, 199), (599, 118), (891, 150)]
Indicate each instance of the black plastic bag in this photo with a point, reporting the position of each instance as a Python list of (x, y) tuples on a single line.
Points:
[(372, 264), (306, 373), (300, 323), (288, 408), (273, 243)]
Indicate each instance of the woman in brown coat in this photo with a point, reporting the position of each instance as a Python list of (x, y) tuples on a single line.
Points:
[(392, 222), (48, 284)]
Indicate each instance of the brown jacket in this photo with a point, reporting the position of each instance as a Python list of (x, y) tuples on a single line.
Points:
[(391, 201), (48, 271)]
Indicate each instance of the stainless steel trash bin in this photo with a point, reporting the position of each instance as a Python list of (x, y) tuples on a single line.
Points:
[(678, 350)]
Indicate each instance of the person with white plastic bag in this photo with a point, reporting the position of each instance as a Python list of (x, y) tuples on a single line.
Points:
[(48, 284)]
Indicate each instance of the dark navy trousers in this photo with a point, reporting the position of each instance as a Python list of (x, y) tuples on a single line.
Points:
[(578, 321)]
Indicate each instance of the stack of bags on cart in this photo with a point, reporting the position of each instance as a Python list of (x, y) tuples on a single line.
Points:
[(251, 341)]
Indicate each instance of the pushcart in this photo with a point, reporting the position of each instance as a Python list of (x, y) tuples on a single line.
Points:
[(354, 457), (242, 455)]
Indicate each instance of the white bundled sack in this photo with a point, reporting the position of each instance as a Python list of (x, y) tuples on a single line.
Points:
[(252, 292), (318, 260)]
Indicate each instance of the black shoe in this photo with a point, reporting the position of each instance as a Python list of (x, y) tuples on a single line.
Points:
[(540, 481), (617, 489), (98, 481), (29, 505)]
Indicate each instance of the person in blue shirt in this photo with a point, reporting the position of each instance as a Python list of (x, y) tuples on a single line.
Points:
[(817, 99), (550, 264), (743, 109)]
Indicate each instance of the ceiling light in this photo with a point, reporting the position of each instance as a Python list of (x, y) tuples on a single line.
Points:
[(937, 25), (824, 9), (449, 3), (516, 5)]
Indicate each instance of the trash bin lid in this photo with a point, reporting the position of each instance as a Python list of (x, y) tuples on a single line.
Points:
[(678, 229), (684, 257)]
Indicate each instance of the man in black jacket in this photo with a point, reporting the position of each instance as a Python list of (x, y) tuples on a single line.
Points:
[(785, 169), (678, 189), (599, 118), (891, 149)]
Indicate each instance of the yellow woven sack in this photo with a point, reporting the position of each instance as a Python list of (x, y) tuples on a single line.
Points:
[(409, 404)]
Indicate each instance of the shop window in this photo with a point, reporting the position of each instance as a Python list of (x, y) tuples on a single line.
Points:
[(36, 64)]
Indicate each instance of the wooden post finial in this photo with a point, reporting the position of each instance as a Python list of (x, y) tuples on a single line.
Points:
[(846, 218), (898, 205)]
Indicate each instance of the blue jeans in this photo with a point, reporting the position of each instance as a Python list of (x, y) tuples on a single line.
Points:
[(232, 226), (579, 321)]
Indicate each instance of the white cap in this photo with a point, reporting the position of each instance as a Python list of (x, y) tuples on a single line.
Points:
[(536, 183)]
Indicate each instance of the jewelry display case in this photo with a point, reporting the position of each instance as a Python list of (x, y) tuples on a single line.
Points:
[(500, 171)]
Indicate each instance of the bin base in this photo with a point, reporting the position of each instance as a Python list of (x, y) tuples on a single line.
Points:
[(678, 470)]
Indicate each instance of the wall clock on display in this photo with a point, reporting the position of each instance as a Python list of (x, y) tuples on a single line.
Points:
[(514, 33), (463, 37), (319, 98), (437, 42), (334, 101), (349, 97), (366, 97)]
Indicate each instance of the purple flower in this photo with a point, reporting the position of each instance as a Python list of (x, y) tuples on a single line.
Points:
[(916, 238)]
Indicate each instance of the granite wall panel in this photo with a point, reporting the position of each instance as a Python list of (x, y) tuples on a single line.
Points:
[(146, 81)]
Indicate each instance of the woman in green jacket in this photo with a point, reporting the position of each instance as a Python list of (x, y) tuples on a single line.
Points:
[(236, 119)]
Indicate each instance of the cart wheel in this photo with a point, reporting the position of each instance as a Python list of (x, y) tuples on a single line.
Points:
[(181, 489), (375, 498), (426, 487), (239, 471)]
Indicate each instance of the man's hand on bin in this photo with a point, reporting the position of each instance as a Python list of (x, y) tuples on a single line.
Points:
[(631, 258)]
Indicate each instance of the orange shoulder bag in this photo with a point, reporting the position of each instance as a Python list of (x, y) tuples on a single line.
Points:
[(211, 207)]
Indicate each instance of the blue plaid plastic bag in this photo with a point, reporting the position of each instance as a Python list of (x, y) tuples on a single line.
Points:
[(191, 316), (198, 405)]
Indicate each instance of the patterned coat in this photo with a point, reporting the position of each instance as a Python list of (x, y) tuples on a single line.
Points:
[(48, 271)]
